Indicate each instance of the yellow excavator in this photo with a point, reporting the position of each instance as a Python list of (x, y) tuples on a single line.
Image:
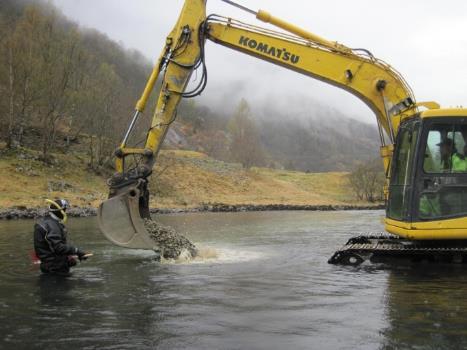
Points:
[(423, 146)]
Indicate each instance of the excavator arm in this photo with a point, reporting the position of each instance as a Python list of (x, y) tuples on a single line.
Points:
[(121, 216), (354, 70)]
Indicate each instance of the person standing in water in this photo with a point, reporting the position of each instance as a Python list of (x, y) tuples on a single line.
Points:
[(50, 241)]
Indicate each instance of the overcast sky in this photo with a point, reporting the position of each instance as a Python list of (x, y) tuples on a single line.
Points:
[(424, 40)]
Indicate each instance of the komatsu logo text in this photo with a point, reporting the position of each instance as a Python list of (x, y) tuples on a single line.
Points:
[(272, 51)]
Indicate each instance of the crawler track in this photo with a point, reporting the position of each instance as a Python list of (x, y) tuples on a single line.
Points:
[(393, 249)]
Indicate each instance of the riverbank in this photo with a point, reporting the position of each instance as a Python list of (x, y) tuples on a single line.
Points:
[(185, 181), (21, 212)]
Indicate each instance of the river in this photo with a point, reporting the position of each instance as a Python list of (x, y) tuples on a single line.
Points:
[(263, 282)]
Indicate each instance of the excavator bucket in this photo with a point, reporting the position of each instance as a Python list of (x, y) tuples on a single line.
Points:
[(121, 222)]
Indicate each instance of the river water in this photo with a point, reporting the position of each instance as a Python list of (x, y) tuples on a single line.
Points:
[(263, 282)]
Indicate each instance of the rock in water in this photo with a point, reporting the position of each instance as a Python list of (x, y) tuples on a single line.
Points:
[(172, 243)]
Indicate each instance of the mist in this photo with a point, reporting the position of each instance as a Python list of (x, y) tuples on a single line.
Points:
[(428, 47)]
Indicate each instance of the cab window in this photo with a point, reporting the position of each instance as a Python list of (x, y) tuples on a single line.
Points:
[(446, 149), (444, 180)]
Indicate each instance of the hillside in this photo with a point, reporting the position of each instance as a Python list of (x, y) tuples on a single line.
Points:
[(310, 137), (201, 179), (67, 96), (185, 179), (104, 80)]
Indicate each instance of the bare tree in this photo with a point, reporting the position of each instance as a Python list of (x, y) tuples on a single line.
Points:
[(245, 146), (56, 80), (20, 62), (6, 80), (40, 59), (110, 87), (59, 56), (367, 181), (95, 111)]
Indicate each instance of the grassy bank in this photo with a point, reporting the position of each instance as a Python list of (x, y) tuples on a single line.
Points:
[(190, 178), (27, 181), (182, 179)]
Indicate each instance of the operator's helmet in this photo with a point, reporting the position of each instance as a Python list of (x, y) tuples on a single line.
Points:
[(446, 142), (63, 205)]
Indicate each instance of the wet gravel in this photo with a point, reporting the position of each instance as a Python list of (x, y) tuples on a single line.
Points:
[(171, 243)]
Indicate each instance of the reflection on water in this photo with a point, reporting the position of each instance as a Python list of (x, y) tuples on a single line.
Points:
[(261, 282), (427, 307)]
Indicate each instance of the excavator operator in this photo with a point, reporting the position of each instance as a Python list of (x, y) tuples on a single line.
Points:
[(50, 241), (451, 160)]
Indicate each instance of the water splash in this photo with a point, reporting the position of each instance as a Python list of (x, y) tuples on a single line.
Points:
[(218, 255)]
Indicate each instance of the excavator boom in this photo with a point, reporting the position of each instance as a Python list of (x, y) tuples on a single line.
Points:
[(356, 71)]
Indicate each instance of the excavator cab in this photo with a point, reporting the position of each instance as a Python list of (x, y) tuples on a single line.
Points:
[(426, 211), (428, 185)]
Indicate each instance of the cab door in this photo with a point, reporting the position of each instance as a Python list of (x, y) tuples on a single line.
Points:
[(401, 184)]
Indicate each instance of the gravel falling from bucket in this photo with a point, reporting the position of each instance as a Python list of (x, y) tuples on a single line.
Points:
[(171, 243)]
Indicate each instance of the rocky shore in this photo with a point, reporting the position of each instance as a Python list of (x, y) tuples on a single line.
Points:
[(22, 212), (220, 207)]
